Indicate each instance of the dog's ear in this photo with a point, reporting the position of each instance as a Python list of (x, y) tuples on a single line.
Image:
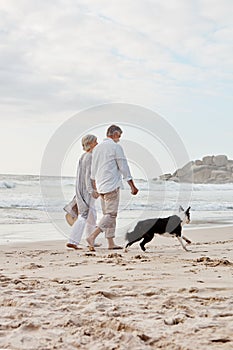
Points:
[(181, 208)]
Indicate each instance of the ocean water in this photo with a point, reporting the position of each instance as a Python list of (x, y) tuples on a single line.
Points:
[(29, 199)]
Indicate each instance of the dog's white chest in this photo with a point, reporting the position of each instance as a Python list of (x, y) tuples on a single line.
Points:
[(167, 234)]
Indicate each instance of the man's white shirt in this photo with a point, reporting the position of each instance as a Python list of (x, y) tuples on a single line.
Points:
[(109, 165)]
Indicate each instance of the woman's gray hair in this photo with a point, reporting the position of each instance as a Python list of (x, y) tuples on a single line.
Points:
[(87, 140)]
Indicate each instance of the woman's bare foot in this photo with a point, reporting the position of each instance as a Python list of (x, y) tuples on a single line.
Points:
[(74, 246)]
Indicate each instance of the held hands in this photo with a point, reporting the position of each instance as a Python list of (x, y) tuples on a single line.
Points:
[(95, 194)]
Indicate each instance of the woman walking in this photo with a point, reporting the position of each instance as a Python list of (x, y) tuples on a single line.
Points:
[(85, 195)]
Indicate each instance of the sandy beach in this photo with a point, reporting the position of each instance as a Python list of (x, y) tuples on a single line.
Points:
[(166, 298)]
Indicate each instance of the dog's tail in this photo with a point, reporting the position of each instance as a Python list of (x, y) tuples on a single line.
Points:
[(140, 229), (129, 236), (137, 232)]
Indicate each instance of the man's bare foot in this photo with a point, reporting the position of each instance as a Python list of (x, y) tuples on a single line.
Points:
[(91, 243), (96, 245), (115, 247), (91, 248)]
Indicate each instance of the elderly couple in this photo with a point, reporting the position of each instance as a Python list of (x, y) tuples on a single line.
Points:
[(99, 174)]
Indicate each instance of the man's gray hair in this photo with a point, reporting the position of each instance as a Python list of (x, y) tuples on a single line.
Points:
[(87, 140), (113, 129)]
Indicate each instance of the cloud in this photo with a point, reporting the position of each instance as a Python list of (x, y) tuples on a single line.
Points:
[(64, 53), (58, 57)]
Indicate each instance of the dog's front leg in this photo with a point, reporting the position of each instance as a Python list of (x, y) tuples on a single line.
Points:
[(182, 243)]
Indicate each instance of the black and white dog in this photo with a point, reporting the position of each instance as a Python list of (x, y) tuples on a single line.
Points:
[(170, 227)]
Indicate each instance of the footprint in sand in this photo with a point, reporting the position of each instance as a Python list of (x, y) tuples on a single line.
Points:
[(30, 326), (33, 266)]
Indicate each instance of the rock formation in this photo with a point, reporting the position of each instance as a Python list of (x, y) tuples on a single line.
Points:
[(211, 169)]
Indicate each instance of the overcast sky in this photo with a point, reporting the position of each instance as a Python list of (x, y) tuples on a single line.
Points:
[(58, 57)]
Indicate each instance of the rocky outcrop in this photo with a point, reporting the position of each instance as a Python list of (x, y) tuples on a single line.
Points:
[(211, 169)]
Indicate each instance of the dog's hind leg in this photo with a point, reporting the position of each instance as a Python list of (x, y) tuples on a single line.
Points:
[(182, 243), (146, 239), (130, 243), (127, 245), (186, 239)]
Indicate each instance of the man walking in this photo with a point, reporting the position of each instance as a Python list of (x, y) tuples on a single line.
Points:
[(109, 164)]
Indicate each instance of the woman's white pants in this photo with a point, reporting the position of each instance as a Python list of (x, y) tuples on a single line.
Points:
[(83, 224)]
